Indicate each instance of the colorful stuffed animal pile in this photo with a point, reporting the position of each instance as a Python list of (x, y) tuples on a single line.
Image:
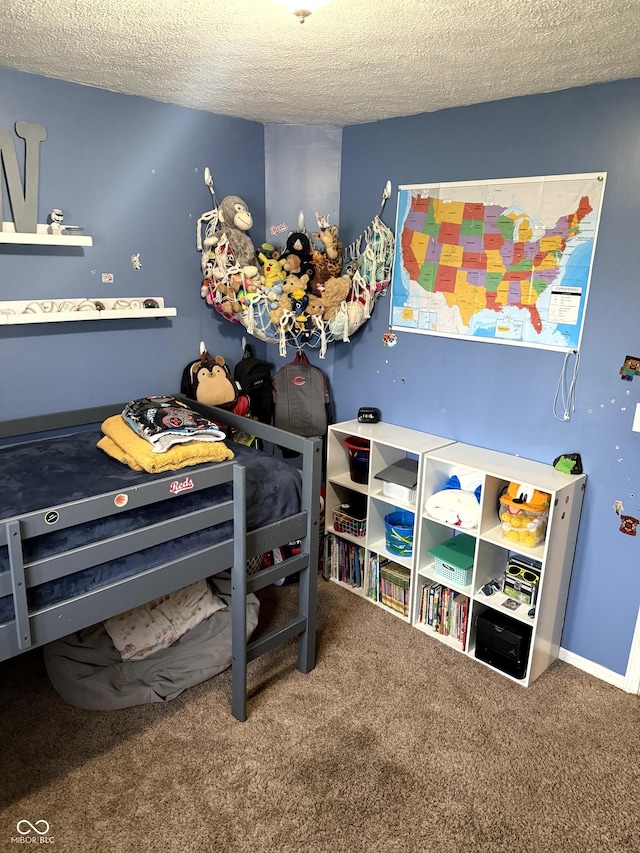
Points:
[(301, 287), (294, 294)]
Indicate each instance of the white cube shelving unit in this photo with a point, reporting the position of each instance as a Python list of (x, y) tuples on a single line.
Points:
[(438, 458)]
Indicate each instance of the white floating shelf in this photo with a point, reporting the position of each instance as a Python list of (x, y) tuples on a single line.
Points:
[(12, 313), (42, 237)]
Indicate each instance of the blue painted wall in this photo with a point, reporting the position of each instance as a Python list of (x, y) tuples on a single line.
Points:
[(502, 397), (130, 171), (302, 174)]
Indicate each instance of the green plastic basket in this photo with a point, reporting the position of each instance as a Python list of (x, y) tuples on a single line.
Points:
[(453, 559)]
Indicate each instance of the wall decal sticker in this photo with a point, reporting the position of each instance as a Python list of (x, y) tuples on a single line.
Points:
[(630, 368)]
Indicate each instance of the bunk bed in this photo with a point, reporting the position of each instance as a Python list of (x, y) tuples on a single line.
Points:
[(84, 538)]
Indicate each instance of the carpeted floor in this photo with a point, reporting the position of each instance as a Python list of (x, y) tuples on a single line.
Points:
[(393, 743)]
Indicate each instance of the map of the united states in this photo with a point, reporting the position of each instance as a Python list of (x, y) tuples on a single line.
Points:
[(478, 268)]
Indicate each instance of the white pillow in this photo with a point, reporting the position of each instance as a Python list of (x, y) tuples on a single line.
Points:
[(160, 623)]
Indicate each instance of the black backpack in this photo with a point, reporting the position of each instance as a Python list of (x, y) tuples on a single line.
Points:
[(254, 378), (302, 403)]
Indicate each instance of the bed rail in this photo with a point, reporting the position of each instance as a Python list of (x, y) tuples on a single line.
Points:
[(57, 620), (38, 424)]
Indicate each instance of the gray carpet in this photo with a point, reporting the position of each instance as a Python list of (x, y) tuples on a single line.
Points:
[(393, 743)]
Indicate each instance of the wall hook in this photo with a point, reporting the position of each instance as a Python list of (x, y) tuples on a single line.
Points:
[(385, 195)]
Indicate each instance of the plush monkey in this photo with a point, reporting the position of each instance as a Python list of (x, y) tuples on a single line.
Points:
[(215, 386), (209, 381), (235, 221)]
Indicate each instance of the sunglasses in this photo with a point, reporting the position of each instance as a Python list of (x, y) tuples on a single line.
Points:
[(523, 574), (491, 587)]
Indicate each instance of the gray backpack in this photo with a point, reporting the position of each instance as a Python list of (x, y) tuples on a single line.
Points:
[(301, 398)]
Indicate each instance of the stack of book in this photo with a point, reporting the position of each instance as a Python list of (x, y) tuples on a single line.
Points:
[(371, 578), (444, 610), (343, 561), (395, 583)]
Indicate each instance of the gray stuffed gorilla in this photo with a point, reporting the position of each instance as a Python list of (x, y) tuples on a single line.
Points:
[(235, 221)]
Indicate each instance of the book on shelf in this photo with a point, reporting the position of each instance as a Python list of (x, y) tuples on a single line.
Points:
[(395, 585), (371, 583), (444, 611), (343, 560), (465, 622)]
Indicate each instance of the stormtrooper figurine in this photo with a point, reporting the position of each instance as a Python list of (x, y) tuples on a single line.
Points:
[(56, 218)]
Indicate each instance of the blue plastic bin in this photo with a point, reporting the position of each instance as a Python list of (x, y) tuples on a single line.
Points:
[(399, 532)]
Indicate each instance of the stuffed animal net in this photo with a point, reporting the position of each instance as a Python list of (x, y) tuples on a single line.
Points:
[(301, 295)]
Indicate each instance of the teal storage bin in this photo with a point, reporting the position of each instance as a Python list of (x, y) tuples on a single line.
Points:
[(453, 559)]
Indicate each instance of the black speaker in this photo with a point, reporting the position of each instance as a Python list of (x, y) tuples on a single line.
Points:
[(503, 642)]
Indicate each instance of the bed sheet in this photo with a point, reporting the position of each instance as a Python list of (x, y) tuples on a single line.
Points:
[(37, 475)]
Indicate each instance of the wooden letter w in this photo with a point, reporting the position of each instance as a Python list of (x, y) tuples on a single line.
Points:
[(23, 202)]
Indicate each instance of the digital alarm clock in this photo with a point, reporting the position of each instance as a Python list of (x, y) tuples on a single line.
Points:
[(368, 415)]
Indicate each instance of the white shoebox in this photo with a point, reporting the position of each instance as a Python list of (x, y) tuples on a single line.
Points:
[(400, 480)]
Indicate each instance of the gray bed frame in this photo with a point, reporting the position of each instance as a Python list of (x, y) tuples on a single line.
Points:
[(30, 630)]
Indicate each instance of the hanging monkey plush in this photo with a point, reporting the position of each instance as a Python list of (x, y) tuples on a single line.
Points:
[(235, 221)]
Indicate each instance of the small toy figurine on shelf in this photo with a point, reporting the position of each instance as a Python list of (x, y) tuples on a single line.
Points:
[(56, 218)]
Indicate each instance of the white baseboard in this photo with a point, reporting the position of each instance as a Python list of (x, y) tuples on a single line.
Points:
[(596, 670), (633, 664), (629, 682)]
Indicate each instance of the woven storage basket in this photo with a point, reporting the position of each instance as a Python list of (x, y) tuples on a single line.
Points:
[(453, 573), (453, 559)]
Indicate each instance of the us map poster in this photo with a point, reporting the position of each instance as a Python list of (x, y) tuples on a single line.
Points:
[(507, 261)]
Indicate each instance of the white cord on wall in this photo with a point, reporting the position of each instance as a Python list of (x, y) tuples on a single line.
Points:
[(564, 395)]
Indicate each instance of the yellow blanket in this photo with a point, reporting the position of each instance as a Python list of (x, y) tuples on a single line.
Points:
[(121, 443)]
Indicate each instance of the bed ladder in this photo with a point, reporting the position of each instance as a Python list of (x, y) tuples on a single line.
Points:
[(303, 625)]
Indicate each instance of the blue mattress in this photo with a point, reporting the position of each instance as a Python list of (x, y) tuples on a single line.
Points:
[(50, 472)]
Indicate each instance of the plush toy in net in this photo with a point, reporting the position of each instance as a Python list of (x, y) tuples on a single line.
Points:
[(298, 295)]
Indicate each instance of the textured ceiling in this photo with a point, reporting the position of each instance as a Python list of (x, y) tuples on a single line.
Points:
[(352, 61)]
